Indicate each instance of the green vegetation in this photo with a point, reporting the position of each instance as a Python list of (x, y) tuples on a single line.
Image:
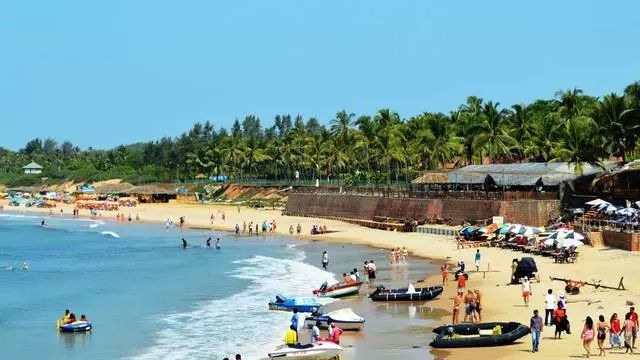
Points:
[(379, 149)]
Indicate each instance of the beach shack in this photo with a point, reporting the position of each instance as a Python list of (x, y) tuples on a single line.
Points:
[(32, 168)]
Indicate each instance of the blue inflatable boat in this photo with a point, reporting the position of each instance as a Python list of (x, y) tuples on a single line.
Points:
[(77, 326)]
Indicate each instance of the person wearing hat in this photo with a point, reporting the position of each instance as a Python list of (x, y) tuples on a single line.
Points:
[(562, 300)]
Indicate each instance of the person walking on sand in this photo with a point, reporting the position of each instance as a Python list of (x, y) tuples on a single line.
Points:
[(602, 327), (462, 282), (634, 318), (445, 274), (559, 319), (535, 326), (212, 218), (457, 300), (614, 331), (627, 328), (325, 260), (549, 305), (477, 258), (587, 335), (526, 290)]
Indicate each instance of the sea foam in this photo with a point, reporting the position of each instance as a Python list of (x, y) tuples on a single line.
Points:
[(241, 323)]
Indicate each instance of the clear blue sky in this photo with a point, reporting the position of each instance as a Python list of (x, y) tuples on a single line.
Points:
[(102, 73)]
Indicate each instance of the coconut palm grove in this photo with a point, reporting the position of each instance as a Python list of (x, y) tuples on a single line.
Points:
[(380, 148)]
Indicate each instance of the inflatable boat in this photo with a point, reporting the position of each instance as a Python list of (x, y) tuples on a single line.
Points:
[(478, 335), (77, 326), (302, 305), (407, 294), (315, 351), (345, 319), (338, 290)]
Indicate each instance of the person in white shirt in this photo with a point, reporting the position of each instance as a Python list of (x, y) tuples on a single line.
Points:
[(550, 301), (325, 260), (526, 290), (372, 270), (315, 332), (353, 277)]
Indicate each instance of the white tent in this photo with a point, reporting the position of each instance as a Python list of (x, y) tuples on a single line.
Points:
[(596, 202)]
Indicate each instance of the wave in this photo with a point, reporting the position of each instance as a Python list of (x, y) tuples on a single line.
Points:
[(54, 218), (241, 323), (111, 234)]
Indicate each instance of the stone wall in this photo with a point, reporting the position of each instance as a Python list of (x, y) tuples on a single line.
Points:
[(531, 212), (622, 240)]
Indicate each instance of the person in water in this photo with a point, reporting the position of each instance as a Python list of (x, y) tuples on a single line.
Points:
[(72, 318), (209, 242), (184, 243), (65, 318), (83, 317), (218, 244), (25, 267)]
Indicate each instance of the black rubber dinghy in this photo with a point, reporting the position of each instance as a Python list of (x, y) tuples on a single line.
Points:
[(426, 293), (478, 335)]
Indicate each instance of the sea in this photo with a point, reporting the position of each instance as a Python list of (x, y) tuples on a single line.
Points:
[(146, 296)]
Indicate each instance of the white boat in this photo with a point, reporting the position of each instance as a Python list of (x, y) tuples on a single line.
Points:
[(315, 351), (345, 319)]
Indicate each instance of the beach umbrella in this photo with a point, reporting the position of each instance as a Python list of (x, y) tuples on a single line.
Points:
[(626, 211), (503, 231), (608, 208), (569, 242), (596, 202), (484, 230), (637, 204), (549, 241), (532, 231)]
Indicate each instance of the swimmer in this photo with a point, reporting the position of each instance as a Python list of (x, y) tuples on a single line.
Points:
[(25, 267), (209, 242), (42, 223), (218, 244), (184, 243)]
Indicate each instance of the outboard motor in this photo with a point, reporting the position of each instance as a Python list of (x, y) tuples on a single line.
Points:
[(280, 298), (324, 287)]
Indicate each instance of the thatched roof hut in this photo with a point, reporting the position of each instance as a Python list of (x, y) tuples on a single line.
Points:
[(623, 180), (149, 190), (121, 188), (433, 177)]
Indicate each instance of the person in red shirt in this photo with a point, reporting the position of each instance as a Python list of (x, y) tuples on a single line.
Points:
[(335, 334), (559, 320), (634, 318), (462, 282), (614, 331)]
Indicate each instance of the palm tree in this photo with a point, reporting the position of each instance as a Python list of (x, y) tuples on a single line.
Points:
[(521, 126), (569, 102), (469, 118), (493, 132), (545, 132), (578, 144), (341, 127), (617, 125)]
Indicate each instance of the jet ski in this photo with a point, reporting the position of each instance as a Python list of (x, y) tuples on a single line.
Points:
[(345, 319), (316, 351)]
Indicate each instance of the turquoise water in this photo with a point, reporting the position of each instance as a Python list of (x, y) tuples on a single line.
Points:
[(147, 297)]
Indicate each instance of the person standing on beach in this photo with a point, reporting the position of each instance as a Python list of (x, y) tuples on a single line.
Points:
[(457, 300), (614, 331), (470, 307), (244, 227), (325, 260), (478, 260), (298, 229), (602, 327), (256, 229), (212, 218), (445, 274), (559, 318), (476, 292), (526, 290), (365, 270), (295, 320), (550, 302), (237, 230), (587, 335), (462, 282), (634, 317), (291, 230), (627, 328), (535, 326), (251, 228)]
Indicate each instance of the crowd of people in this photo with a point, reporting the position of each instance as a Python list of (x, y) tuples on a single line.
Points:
[(399, 256)]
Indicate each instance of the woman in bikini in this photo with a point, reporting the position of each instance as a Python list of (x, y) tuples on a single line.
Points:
[(587, 335), (602, 328), (456, 308), (445, 274)]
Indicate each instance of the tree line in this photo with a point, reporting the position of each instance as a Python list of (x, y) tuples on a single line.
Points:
[(379, 148)]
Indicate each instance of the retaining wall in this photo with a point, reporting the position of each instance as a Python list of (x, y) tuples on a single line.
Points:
[(622, 240), (530, 212)]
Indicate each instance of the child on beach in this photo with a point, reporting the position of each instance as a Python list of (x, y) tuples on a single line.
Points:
[(445, 274)]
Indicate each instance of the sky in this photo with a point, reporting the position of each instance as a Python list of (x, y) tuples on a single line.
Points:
[(104, 73)]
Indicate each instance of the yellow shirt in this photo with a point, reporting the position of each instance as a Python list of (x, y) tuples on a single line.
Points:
[(291, 338)]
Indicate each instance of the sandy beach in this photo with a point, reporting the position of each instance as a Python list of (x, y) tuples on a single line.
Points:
[(502, 302)]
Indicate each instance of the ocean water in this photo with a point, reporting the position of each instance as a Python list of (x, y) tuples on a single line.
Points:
[(146, 296)]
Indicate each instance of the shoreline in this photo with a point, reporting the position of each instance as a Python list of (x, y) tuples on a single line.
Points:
[(501, 302)]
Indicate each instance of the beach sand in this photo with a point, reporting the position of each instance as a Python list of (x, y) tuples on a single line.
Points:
[(501, 302)]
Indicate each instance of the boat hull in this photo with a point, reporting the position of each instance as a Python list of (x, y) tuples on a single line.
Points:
[(470, 335), (420, 294), (319, 351), (344, 325), (339, 290), (300, 308), (76, 327)]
